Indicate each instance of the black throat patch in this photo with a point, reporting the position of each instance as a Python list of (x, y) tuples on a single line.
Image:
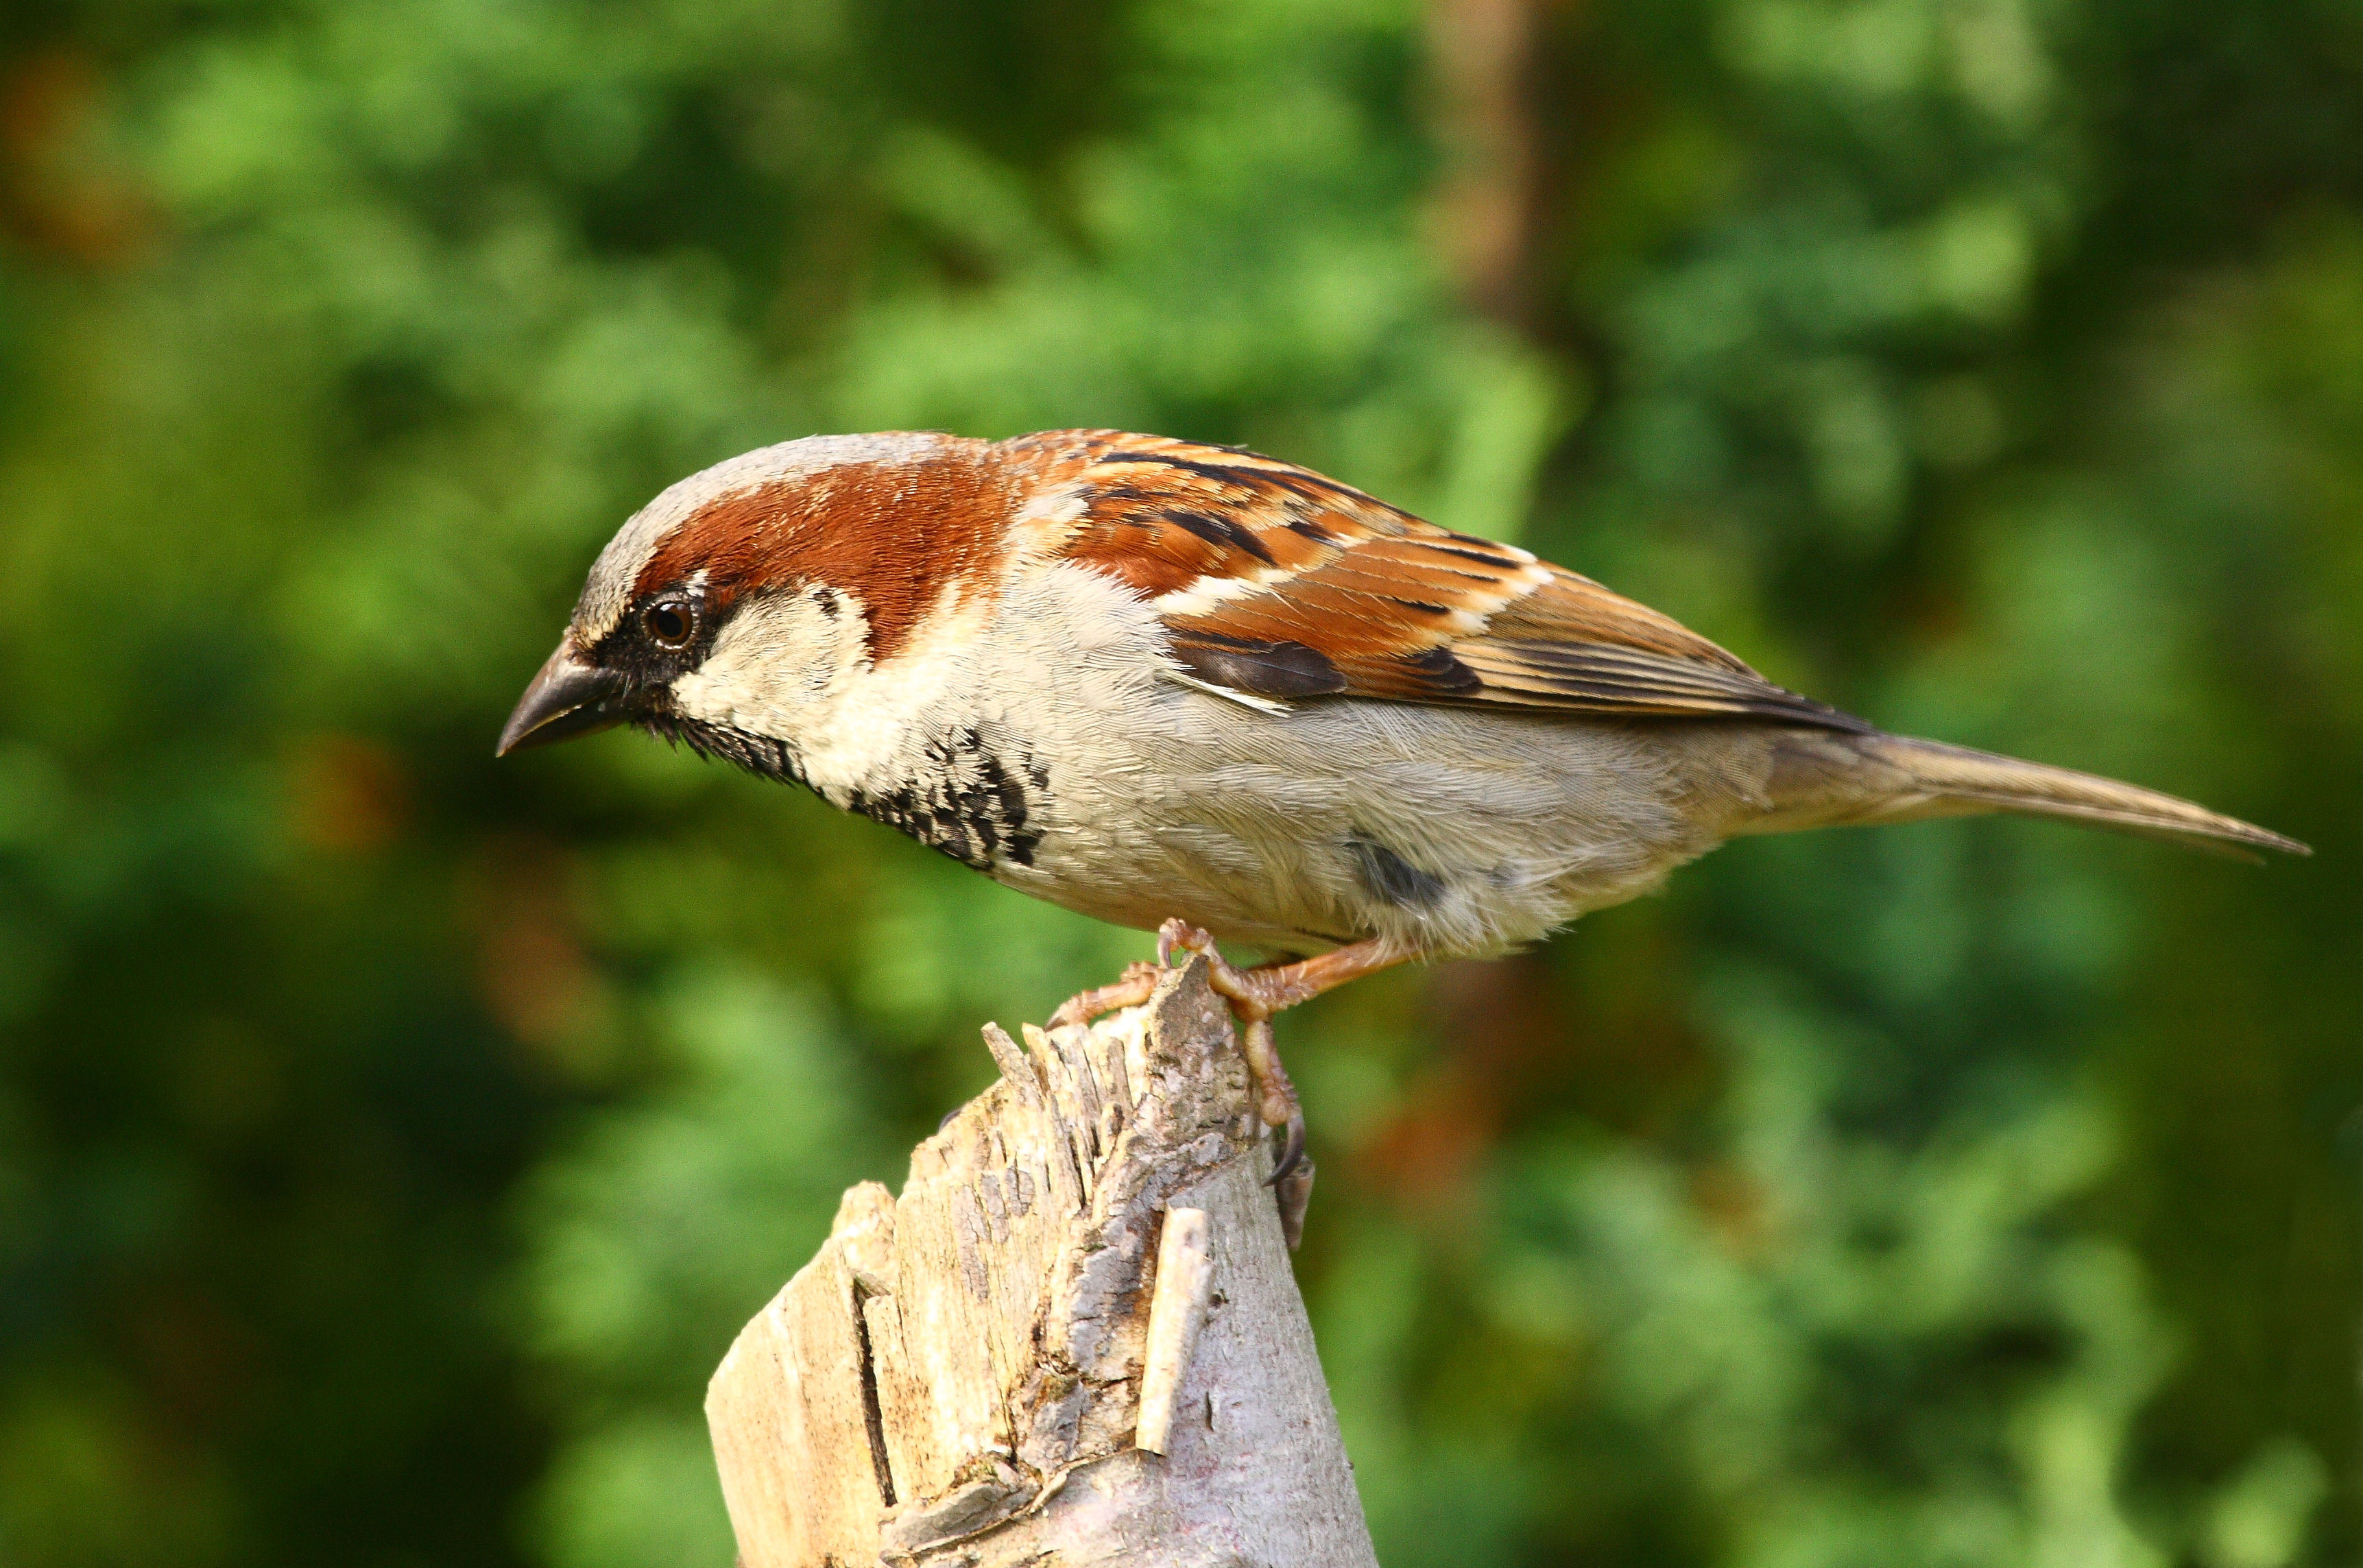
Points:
[(974, 802), (979, 804), (756, 754)]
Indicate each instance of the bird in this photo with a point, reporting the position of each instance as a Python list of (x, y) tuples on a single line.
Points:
[(1193, 689)]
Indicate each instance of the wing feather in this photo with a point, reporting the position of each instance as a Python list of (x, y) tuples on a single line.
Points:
[(1278, 582)]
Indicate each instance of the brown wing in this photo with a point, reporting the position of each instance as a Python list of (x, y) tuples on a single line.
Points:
[(1278, 582)]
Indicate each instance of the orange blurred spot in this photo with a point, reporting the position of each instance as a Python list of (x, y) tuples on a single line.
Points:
[(346, 795), (531, 969), (1735, 1208), (200, 1360), (60, 189), (1496, 1025), (1426, 1157)]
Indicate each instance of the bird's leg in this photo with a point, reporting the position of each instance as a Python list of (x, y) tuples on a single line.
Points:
[(1270, 988), (1255, 994)]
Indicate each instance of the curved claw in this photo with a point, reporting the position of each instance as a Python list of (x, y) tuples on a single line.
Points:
[(1291, 1150), (1179, 933)]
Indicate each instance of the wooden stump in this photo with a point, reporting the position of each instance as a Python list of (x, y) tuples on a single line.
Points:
[(958, 1376)]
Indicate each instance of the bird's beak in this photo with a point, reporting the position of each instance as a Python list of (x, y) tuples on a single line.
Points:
[(569, 697)]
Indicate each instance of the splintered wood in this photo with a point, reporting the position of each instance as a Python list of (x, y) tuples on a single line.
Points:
[(956, 1376), (1177, 1304)]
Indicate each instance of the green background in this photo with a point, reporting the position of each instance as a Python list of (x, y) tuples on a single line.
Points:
[(392, 1139)]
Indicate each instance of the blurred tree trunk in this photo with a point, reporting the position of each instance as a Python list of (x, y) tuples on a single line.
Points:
[(1482, 52), (1076, 1331)]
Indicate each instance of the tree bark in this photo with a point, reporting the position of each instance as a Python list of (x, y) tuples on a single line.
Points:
[(1074, 1338)]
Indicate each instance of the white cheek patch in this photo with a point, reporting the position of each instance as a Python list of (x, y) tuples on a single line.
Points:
[(877, 717), (772, 667), (785, 669), (1055, 656)]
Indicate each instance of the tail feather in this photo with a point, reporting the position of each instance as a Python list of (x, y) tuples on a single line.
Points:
[(1952, 780)]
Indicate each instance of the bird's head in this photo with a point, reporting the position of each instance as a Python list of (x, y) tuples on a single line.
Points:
[(735, 610)]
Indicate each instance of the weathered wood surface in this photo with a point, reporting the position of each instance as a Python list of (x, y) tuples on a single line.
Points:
[(956, 1377)]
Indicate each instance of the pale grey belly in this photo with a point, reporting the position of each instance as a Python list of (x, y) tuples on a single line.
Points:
[(1448, 832)]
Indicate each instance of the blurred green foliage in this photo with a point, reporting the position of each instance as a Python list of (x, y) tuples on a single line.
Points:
[(391, 1140)]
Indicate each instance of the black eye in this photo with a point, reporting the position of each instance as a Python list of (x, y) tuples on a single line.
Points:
[(670, 625)]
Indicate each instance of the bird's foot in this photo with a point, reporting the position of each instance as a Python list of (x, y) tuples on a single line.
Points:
[(1132, 988), (1254, 996)]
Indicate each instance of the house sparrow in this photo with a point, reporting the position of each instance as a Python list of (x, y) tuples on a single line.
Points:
[(1193, 689)]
